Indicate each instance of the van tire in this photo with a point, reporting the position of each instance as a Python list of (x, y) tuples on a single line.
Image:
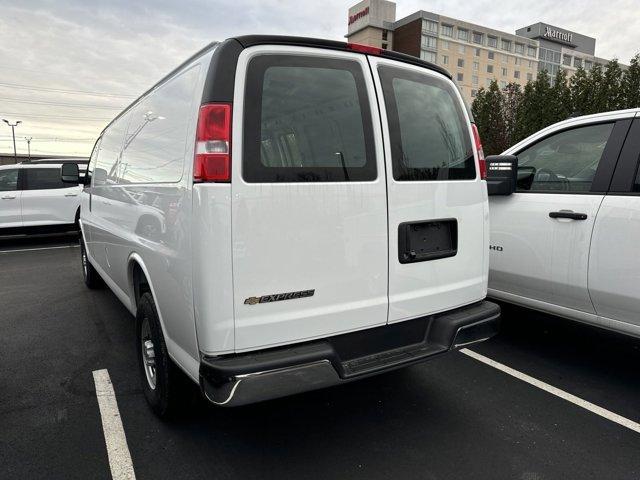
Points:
[(162, 392), (91, 277)]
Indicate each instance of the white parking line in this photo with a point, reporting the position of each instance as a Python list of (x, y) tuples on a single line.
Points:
[(593, 408), (39, 248), (117, 448)]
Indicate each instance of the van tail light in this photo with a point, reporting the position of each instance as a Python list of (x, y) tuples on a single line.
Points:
[(357, 47), (212, 162), (482, 163)]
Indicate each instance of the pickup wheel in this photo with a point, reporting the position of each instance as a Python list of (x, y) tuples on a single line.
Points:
[(159, 375), (91, 277)]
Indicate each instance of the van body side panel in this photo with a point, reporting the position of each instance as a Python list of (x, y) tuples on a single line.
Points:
[(323, 244), (212, 267)]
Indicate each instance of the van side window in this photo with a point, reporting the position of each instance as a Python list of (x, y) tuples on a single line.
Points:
[(156, 139), (429, 134), (307, 119), (109, 152), (8, 180), (564, 162), (43, 179)]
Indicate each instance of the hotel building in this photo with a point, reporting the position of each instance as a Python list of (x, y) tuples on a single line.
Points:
[(474, 55)]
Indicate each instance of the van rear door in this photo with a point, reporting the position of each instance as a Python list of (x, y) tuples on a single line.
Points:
[(309, 207), (438, 210)]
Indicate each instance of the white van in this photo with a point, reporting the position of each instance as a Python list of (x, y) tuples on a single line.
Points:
[(283, 214), (34, 200)]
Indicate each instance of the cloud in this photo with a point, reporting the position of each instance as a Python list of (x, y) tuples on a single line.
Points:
[(122, 48)]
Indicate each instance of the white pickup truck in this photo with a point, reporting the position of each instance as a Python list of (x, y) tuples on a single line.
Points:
[(565, 221)]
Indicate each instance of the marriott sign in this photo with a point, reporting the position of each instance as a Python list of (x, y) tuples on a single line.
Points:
[(558, 35)]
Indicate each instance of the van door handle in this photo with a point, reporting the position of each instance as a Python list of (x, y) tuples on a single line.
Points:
[(8, 197), (70, 194), (568, 214)]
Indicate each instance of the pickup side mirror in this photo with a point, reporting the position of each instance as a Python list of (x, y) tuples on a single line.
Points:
[(70, 173), (502, 174)]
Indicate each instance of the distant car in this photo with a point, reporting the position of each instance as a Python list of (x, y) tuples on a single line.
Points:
[(565, 242), (33, 198)]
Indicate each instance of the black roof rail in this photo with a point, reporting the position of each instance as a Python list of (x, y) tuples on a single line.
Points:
[(251, 40)]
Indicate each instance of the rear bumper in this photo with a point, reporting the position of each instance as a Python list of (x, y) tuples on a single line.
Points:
[(240, 379)]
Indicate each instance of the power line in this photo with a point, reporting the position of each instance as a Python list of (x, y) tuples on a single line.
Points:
[(62, 90), (66, 117), (59, 104)]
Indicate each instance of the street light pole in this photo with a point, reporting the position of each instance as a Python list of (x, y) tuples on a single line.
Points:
[(13, 132), (28, 139)]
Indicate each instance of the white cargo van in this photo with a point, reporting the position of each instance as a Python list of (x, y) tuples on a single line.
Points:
[(283, 214)]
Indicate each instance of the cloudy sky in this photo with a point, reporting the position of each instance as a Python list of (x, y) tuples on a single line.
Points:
[(68, 66)]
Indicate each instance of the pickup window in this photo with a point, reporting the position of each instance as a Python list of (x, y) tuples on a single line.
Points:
[(566, 161)]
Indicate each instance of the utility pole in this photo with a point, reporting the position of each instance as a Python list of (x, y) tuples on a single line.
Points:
[(28, 139), (13, 132)]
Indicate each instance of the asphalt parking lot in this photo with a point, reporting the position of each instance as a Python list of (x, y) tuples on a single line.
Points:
[(453, 417)]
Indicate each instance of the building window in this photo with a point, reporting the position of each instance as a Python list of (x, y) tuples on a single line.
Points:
[(489, 68), (460, 77), (577, 62), (444, 44), (504, 72), (463, 34), (517, 60), (588, 65), (474, 93), (531, 51), (476, 66), (520, 48), (445, 59), (429, 41), (477, 52), (385, 45), (429, 26), (490, 55), (461, 49), (503, 84), (492, 42), (529, 77), (566, 60), (428, 56), (488, 82), (530, 63), (516, 74), (506, 45), (478, 38), (460, 63), (385, 33), (446, 30), (474, 79), (504, 58)]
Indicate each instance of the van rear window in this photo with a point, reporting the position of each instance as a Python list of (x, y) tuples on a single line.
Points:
[(307, 119), (430, 137)]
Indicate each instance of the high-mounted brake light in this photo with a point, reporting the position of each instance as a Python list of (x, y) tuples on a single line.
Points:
[(212, 162), (357, 47), (482, 163)]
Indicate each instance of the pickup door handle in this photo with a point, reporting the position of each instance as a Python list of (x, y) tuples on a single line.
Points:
[(568, 214)]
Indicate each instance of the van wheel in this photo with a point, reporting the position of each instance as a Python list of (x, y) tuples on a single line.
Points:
[(160, 377), (91, 277)]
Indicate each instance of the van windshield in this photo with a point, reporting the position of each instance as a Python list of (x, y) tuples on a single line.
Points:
[(429, 134)]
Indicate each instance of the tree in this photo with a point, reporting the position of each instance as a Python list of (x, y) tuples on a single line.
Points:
[(611, 91), (489, 116), (511, 100), (630, 85), (561, 106), (580, 87), (598, 96)]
